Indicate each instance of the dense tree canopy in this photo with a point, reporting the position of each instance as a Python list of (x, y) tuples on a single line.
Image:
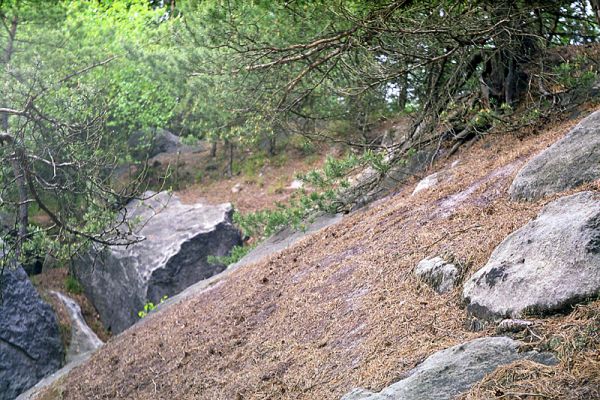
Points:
[(76, 80), (80, 77)]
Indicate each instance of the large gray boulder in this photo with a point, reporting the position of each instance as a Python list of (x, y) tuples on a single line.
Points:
[(547, 265), (452, 371), (178, 240), (30, 344), (566, 164)]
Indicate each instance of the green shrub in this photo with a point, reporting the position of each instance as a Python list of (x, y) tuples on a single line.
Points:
[(235, 255), (328, 182), (72, 285), (149, 307)]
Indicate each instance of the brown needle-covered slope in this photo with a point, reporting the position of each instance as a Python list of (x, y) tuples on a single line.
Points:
[(340, 309)]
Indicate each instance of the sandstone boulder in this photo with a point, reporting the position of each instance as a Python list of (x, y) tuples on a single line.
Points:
[(568, 163), (452, 371), (30, 344), (437, 273), (547, 265), (178, 240), (148, 144), (429, 182)]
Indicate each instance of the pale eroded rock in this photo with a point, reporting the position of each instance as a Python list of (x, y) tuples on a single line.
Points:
[(178, 239), (566, 164), (547, 265), (437, 273), (452, 371)]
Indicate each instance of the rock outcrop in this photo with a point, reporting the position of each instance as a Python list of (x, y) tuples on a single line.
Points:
[(430, 181), (547, 265), (156, 141), (30, 344), (83, 339), (173, 256), (568, 163), (437, 273), (452, 371)]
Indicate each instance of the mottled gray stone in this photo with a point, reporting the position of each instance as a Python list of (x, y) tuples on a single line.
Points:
[(30, 344), (566, 164), (513, 325), (428, 182), (157, 141), (437, 273), (83, 339), (452, 371), (547, 265), (178, 239)]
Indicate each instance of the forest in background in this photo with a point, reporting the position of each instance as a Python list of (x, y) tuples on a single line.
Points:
[(79, 78)]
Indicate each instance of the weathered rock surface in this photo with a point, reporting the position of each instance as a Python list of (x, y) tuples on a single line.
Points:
[(437, 273), (513, 325), (452, 371), (428, 182), (566, 164), (178, 239), (30, 344), (156, 141), (547, 265), (83, 339)]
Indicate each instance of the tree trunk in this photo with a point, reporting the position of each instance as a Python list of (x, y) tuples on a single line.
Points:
[(16, 162), (403, 93), (272, 145), (213, 149), (229, 168), (596, 9)]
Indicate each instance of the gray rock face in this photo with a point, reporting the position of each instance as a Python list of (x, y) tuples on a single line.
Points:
[(428, 182), (154, 142), (547, 265), (437, 273), (173, 256), (568, 163), (30, 345), (83, 339), (452, 371)]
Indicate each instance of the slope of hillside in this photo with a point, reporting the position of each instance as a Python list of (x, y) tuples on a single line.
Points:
[(343, 309)]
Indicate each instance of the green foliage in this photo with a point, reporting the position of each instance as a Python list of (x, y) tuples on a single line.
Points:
[(574, 75), (149, 307), (86, 75), (72, 285), (329, 183), (235, 254)]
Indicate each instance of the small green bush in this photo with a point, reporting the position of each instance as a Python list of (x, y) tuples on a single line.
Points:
[(235, 255), (328, 182), (72, 285), (149, 307)]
